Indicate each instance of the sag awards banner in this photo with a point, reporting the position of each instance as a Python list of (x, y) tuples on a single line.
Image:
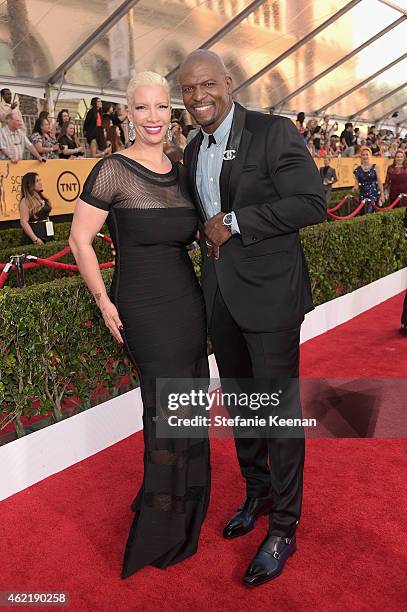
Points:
[(63, 180)]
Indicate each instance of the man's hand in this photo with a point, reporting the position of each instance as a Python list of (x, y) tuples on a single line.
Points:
[(216, 233), (212, 250)]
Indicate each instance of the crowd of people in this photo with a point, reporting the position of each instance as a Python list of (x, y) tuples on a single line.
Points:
[(105, 130), (322, 138)]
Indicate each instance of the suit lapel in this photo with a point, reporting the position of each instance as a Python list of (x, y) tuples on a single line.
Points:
[(196, 144), (237, 146)]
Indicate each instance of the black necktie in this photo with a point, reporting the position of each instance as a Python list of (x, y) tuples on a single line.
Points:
[(211, 140)]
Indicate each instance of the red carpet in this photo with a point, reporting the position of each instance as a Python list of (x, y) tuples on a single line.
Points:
[(68, 532)]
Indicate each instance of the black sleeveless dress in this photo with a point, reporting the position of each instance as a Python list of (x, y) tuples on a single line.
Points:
[(38, 226), (151, 221)]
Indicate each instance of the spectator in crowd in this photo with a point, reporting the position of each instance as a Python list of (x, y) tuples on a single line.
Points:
[(326, 129), (45, 143), (300, 122), (334, 147), (34, 211), (178, 137), (347, 139), (106, 123), (68, 142), (358, 138), (174, 152), (113, 137), (312, 125), (13, 139), (328, 176), (6, 104), (371, 133), (121, 119), (109, 118), (308, 139), (396, 178), (107, 110), (317, 138), (53, 126), (367, 181), (99, 147), (62, 117), (93, 120)]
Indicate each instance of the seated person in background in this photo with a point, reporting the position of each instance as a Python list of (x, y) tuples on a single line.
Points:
[(68, 142), (113, 137), (42, 139), (98, 145), (34, 211), (328, 176)]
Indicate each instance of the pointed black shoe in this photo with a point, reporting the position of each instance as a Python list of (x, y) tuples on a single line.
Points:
[(243, 521), (269, 561)]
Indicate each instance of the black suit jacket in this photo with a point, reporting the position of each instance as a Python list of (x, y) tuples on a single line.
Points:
[(331, 174), (274, 188)]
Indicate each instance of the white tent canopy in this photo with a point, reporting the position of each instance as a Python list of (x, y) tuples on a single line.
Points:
[(342, 57)]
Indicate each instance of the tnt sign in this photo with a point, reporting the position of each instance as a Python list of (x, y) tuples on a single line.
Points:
[(68, 186)]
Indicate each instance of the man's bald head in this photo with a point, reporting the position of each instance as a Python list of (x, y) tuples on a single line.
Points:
[(203, 56), (206, 88)]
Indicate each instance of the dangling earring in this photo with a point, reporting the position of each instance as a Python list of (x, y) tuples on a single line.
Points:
[(169, 134), (132, 132)]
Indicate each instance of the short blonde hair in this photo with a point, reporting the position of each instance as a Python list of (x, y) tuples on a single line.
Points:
[(362, 149), (141, 79)]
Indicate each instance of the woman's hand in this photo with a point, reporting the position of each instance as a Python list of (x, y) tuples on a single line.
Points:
[(38, 241), (111, 319)]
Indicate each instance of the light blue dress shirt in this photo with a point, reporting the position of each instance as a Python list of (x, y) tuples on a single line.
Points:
[(209, 166)]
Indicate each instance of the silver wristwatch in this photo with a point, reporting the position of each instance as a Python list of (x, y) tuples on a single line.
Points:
[(227, 221)]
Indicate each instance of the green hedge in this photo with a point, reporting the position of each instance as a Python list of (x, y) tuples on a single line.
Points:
[(345, 255), (43, 274), (12, 236), (54, 344), (54, 347)]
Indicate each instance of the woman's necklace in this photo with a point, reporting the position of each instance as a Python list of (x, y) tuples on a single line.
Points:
[(366, 167)]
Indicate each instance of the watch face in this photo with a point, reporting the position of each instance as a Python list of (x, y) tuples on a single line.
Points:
[(227, 219)]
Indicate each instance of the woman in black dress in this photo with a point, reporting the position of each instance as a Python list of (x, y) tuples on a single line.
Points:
[(156, 307), (34, 210)]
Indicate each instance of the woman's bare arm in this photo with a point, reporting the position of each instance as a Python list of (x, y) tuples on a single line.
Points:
[(87, 221)]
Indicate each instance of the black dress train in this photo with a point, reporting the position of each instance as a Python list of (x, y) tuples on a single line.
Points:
[(151, 220)]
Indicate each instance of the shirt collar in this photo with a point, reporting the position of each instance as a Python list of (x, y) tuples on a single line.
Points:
[(222, 131)]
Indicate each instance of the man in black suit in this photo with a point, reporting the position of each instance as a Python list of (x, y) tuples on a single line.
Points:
[(255, 185), (328, 177)]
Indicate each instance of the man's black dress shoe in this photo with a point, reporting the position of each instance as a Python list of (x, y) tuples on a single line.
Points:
[(269, 560), (243, 521), (403, 330)]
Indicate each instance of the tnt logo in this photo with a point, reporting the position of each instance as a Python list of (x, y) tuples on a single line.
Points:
[(68, 186)]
